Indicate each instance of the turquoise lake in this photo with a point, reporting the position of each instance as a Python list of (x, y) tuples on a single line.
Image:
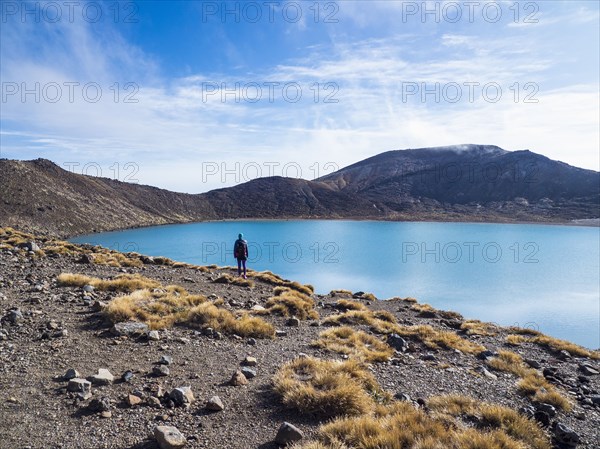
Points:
[(535, 276)]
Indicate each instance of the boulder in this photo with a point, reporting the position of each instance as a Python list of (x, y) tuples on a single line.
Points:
[(288, 433), (169, 437), (129, 328)]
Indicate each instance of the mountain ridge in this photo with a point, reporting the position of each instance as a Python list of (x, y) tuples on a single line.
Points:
[(482, 183)]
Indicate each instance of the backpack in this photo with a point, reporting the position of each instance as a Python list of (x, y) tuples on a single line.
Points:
[(240, 249)]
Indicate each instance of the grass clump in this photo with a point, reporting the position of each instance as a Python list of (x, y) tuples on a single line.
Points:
[(476, 327), (328, 388), (340, 292), (346, 304), (556, 344), (435, 338), (453, 422), (273, 279), (226, 278), (126, 283), (289, 302), (357, 344), (515, 340), (381, 321), (173, 305), (531, 384)]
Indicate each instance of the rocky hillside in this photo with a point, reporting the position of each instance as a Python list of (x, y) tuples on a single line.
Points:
[(466, 183), (100, 349)]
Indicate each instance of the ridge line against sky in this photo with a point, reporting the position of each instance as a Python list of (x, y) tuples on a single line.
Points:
[(373, 77)]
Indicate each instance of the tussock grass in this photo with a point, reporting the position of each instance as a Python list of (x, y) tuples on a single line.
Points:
[(273, 279), (476, 327), (115, 259), (159, 308), (436, 338), (515, 340), (448, 425), (357, 344), (209, 315), (381, 322), (226, 278), (290, 302), (556, 344), (531, 384), (123, 283), (328, 388), (346, 304), (340, 291), (173, 305)]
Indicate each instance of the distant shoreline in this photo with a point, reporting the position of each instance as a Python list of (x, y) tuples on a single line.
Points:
[(587, 223)]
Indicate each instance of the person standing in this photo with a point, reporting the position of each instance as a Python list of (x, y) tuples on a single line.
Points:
[(240, 252)]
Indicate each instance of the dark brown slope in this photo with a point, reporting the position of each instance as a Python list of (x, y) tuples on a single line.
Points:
[(464, 183), (39, 195)]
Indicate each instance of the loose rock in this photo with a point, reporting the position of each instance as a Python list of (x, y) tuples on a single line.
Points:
[(288, 433), (169, 437), (215, 404)]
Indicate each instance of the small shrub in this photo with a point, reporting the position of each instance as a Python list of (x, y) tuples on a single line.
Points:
[(476, 327), (122, 283), (346, 304), (273, 279), (289, 302), (357, 344), (341, 292), (226, 278), (327, 388)]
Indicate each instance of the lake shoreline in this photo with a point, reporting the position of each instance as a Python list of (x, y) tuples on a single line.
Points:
[(586, 223)]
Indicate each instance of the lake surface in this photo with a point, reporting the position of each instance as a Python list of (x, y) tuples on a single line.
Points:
[(536, 276)]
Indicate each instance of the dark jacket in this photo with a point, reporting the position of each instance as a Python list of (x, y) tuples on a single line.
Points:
[(240, 249)]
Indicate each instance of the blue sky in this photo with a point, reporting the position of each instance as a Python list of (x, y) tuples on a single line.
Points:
[(201, 95)]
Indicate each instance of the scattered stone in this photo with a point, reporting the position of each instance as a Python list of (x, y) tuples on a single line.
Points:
[(280, 333), (98, 306), (487, 374), (249, 361), (566, 436), (166, 360), (248, 372), (397, 342), (429, 357), (88, 288), (127, 376), (153, 335), (103, 377), (288, 433), (588, 370), (169, 437), (258, 308), (15, 316), (129, 328), (293, 321), (31, 246), (595, 399), (238, 379), (533, 363), (546, 408), (182, 396), (100, 405), (86, 258), (71, 374), (484, 355), (215, 404), (154, 401), (251, 341), (161, 371), (402, 397), (78, 385), (133, 400)]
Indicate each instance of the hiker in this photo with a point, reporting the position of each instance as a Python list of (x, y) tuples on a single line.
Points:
[(240, 252)]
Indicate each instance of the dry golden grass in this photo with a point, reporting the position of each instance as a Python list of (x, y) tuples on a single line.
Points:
[(381, 322), (290, 302), (357, 344), (273, 279), (209, 315), (534, 336), (476, 327), (123, 283), (401, 426), (531, 383), (159, 308), (368, 297), (115, 259), (226, 278), (164, 308), (515, 340), (328, 388), (346, 304), (437, 338), (423, 308), (340, 292)]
